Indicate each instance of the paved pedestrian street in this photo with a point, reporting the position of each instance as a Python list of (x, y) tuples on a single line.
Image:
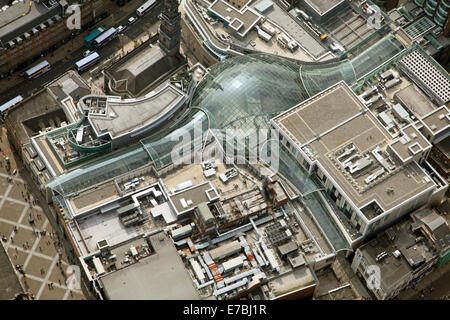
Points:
[(34, 256)]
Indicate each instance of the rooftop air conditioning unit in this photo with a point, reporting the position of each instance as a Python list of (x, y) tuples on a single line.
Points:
[(396, 254)]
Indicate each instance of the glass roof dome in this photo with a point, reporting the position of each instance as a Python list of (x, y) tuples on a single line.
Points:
[(242, 93), (246, 91)]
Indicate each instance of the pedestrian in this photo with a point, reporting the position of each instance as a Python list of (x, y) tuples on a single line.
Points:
[(40, 249), (59, 281), (71, 294), (12, 239)]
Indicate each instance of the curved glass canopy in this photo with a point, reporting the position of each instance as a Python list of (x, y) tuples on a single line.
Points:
[(242, 93), (246, 91)]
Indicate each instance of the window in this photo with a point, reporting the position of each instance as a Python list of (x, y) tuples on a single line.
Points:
[(306, 164)]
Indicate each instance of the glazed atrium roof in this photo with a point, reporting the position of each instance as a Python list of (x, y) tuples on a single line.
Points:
[(242, 93)]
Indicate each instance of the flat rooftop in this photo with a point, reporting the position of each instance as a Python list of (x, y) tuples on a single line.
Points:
[(322, 6), (161, 276), (51, 158), (89, 199), (21, 17), (323, 138), (241, 21), (437, 120), (197, 194), (71, 84), (120, 115), (295, 30), (415, 142), (393, 269), (309, 120), (31, 108), (412, 98), (102, 226), (291, 282)]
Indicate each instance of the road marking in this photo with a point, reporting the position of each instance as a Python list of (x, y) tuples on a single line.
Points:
[(47, 276), (37, 254), (20, 202), (32, 277), (8, 190), (24, 211), (13, 177)]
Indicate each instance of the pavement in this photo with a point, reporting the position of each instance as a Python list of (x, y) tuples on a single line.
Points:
[(434, 286), (41, 258)]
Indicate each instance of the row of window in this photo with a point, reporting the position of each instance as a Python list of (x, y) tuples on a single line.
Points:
[(39, 41)]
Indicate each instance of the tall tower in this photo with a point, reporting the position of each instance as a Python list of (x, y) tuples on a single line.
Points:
[(169, 30)]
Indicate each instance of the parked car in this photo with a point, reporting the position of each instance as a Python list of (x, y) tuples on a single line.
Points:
[(120, 28), (132, 20)]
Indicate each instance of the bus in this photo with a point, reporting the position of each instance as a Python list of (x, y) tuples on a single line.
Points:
[(87, 62), (105, 37), (146, 7), (94, 34), (10, 103), (37, 70)]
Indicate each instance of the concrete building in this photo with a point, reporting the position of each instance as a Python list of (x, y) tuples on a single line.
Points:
[(52, 108), (113, 119), (298, 284), (373, 177), (31, 28), (400, 257), (240, 21), (238, 4), (151, 279), (322, 10), (136, 73)]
